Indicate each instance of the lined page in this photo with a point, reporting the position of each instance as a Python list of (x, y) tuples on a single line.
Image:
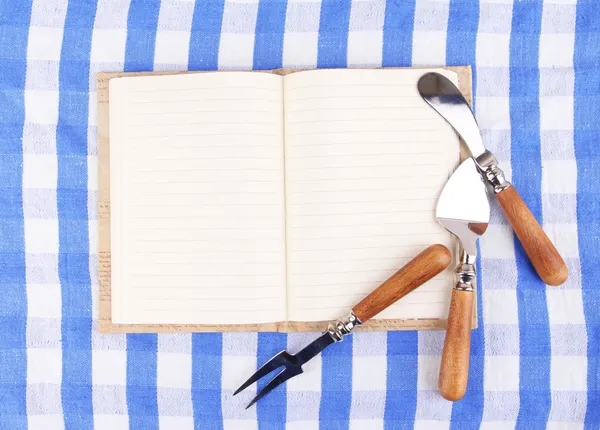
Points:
[(366, 159), (197, 212)]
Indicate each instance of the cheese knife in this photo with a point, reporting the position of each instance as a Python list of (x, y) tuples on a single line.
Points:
[(463, 209), (415, 273), (443, 96)]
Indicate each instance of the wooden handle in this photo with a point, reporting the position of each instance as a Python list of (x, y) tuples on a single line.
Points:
[(416, 272), (543, 255), (454, 370)]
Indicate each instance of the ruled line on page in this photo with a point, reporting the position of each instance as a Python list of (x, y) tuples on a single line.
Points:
[(187, 111), (199, 123), (221, 134), (325, 133), (203, 99), (363, 121), (213, 88)]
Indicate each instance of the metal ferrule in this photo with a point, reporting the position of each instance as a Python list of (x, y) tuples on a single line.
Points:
[(465, 273), (343, 326), (493, 174)]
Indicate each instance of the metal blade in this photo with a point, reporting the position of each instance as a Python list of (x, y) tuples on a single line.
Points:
[(463, 207), (279, 379), (442, 95), (292, 363), (281, 359), (313, 348)]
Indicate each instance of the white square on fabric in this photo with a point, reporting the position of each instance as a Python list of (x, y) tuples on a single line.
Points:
[(235, 370), (429, 48), (372, 424), (563, 425), (302, 425), (498, 242), (556, 113), (41, 107), (556, 49), (172, 47), (40, 170), (364, 48), (108, 45), (501, 373), (492, 50), (45, 422), (242, 425), (112, 422), (500, 306), (44, 43), (179, 423), (493, 113), (565, 306), (44, 366), (41, 236), (300, 49), (174, 370), (310, 380), (93, 235), (44, 301), (431, 425), (559, 176), (568, 373), (565, 238), (93, 110), (92, 164), (428, 372), (369, 373), (109, 367), (497, 425), (236, 50)]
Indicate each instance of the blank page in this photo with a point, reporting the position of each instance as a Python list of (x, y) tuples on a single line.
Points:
[(197, 212), (366, 159)]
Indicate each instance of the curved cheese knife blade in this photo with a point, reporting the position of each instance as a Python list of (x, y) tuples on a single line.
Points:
[(443, 96), (463, 209)]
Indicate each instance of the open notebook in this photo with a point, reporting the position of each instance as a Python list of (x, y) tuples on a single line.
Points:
[(268, 200)]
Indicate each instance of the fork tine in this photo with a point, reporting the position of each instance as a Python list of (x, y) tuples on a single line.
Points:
[(276, 361), (281, 377)]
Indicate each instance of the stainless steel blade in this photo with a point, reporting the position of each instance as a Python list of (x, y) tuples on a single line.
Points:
[(463, 208), (291, 364), (442, 95)]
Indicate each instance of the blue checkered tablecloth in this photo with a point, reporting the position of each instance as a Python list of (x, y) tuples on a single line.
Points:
[(536, 355)]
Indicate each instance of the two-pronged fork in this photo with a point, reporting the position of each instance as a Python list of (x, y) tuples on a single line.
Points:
[(419, 270)]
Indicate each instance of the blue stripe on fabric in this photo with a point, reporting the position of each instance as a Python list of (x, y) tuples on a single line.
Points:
[(206, 35), (587, 135), (461, 34), (534, 328), (463, 23), (72, 205), (142, 23), (142, 403), (333, 33), (402, 370), (14, 33), (398, 33), (270, 28), (271, 409), (207, 352), (336, 384)]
